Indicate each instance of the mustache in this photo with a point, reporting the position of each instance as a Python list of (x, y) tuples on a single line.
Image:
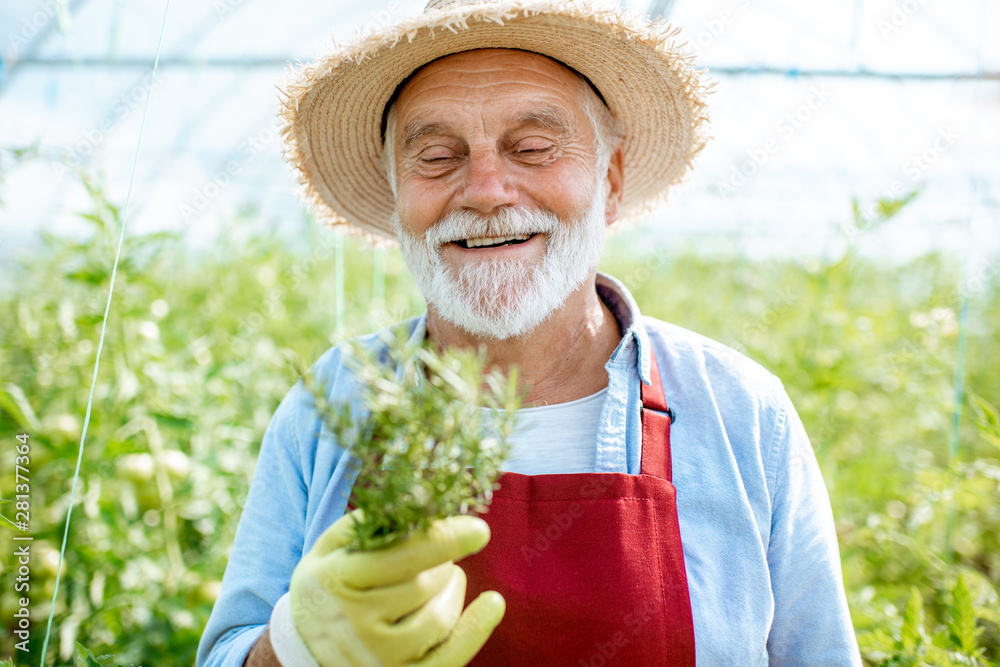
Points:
[(508, 221)]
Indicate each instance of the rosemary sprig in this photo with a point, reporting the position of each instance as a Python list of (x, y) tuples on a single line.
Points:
[(423, 448)]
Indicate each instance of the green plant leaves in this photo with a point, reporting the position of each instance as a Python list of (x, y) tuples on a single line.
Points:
[(423, 449), (885, 209), (912, 635), (4, 521), (957, 644), (988, 419), (14, 402), (962, 625), (86, 658)]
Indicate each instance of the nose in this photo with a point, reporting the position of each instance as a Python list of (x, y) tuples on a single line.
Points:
[(487, 184)]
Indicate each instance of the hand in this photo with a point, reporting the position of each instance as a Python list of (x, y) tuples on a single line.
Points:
[(396, 606)]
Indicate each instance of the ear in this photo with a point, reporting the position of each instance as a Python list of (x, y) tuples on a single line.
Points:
[(616, 184)]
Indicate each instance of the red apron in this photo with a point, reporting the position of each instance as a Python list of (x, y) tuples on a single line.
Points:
[(590, 564)]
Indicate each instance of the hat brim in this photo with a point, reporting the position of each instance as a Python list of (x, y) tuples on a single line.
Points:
[(332, 108)]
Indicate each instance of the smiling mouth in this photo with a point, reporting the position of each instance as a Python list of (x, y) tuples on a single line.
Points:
[(494, 241)]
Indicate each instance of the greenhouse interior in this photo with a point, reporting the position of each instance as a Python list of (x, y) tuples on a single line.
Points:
[(168, 285)]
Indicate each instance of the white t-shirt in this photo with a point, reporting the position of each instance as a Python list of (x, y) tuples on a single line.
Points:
[(559, 438)]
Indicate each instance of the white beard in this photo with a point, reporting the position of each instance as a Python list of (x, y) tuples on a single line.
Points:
[(505, 298)]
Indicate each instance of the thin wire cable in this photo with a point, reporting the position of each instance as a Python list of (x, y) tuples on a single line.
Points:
[(857, 14), (339, 286), (378, 281), (959, 386), (281, 63), (963, 317), (100, 344)]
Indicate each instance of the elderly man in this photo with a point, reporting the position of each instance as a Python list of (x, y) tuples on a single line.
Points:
[(498, 142)]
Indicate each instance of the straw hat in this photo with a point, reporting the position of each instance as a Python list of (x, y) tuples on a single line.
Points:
[(333, 107)]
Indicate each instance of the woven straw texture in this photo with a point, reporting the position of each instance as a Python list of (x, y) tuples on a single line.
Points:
[(332, 107)]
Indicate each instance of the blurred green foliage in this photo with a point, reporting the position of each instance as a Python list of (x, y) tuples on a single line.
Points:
[(201, 347), (868, 354)]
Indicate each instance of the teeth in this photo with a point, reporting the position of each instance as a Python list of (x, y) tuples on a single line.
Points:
[(495, 240)]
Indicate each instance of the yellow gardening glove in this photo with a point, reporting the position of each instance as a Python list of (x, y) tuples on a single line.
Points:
[(396, 606)]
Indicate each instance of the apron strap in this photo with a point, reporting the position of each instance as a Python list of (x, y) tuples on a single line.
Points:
[(656, 421)]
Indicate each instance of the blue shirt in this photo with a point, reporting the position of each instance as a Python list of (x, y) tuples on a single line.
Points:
[(760, 549)]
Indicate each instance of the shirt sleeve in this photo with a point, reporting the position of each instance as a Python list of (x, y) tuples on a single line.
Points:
[(812, 624), (269, 539)]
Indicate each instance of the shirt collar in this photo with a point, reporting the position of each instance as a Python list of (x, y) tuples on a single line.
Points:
[(634, 345)]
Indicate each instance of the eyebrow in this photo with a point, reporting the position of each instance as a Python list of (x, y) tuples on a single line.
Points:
[(547, 117), (417, 129)]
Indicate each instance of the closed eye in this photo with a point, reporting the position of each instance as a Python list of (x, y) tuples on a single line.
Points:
[(534, 154), (436, 154)]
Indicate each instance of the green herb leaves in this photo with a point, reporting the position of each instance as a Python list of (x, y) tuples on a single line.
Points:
[(425, 447)]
